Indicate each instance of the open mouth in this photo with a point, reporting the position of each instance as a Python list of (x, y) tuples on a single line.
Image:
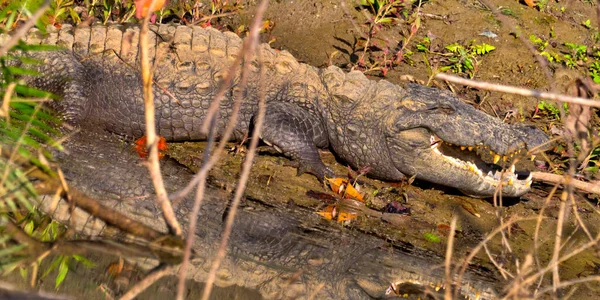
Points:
[(471, 158)]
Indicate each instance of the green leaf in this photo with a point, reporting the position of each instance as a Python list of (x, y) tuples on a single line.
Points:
[(52, 266), (430, 237), (21, 71), (455, 48), (23, 272), (11, 250), (33, 92), (63, 269), (29, 227), (86, 262), (29, 47)]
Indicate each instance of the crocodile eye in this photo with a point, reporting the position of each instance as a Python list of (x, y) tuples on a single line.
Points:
[(443, 109)]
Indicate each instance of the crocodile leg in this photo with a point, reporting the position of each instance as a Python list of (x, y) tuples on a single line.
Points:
[(297, 134)]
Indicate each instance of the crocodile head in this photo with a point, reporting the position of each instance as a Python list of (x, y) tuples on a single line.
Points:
[(438, 138)]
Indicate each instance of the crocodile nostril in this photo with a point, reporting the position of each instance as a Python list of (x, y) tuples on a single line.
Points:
[(522, 175)]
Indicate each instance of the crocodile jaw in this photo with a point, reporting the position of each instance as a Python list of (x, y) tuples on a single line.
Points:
[(488, 181), (417, 152)]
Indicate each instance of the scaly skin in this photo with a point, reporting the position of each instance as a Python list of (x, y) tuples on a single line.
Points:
[(366, 123), (269, 244)]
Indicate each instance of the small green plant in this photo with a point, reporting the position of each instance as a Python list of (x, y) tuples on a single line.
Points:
[(538, 42), (587, 24), (550, 111), (464, 59), (385, 13), (594, 71)]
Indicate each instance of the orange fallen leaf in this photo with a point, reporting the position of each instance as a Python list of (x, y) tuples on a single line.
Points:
[(343, 187), (142, 151), (346, 216), (530, 3), (114, 269), (142, 7), (331, 212)]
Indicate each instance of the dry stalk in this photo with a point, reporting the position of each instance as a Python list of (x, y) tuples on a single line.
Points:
[(560, 179), (517, 91), (157, 273), (448, 261), (571, 282), (563, 258), (94, 208), (153, 165), (538, 225), (477, 248), (557, 243), (258, 123), (247, 49)]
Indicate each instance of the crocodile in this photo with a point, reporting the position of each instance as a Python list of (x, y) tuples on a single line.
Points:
[(394, 131)]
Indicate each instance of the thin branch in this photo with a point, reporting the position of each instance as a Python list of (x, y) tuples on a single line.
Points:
[(448, 260), (487, 239), (159, 272), (560, 179), (162, 200), (94, 208), (247, 50), (517, 91), (22, 31), (258, 123)]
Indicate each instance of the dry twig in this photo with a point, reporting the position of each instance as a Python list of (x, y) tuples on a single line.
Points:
[(247, 50), (516, 90), (560, 179), (162, 199), (157, 273)]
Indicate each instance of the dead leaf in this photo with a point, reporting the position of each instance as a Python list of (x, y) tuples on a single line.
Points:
[(342, 187), (530, 3), (142, 7), (329, 212), (142, 151), (114, 269)]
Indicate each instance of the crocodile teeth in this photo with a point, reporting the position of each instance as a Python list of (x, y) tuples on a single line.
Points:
[(495, 178), (496, 158)]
